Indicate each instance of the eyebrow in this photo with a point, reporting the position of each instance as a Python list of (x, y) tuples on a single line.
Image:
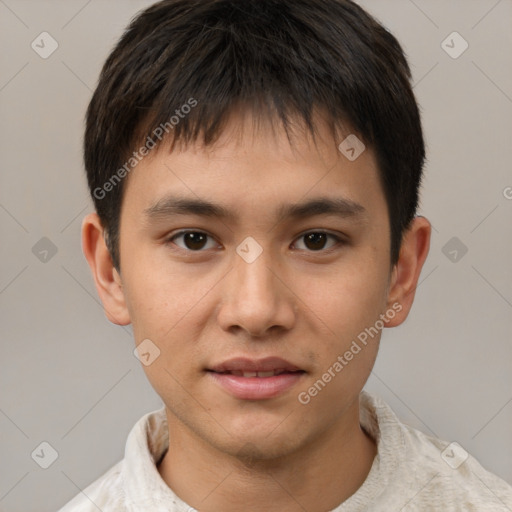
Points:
[(172, 205)]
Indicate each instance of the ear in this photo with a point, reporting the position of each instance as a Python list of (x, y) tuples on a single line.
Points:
[(406, 272), (107, 279)]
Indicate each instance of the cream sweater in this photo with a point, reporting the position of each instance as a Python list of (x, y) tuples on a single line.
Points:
[(411, 472)]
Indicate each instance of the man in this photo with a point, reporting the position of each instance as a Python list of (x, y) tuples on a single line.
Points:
[(255, 168)]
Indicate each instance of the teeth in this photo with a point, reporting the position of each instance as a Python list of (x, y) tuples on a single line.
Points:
[(270, 373), (266, 374)]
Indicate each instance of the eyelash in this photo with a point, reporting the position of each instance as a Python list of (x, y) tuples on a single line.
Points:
[(339, 241)]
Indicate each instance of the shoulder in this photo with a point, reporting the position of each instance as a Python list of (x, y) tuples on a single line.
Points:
[(450, 478), (428, 473), (105, 493), (133, 475)]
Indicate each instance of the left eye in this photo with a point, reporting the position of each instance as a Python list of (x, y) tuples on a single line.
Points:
[(315, 240), (197, 240)]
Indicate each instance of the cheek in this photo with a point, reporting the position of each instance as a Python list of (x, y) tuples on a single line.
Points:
[(348, 300), (158, 297), (167, 308)]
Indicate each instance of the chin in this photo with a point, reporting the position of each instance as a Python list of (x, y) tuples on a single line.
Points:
[(257, 452), (262, 444)]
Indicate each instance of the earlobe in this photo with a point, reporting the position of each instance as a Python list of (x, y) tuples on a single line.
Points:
[(406, 272), (107, 280)]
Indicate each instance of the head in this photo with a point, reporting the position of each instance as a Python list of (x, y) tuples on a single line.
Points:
[(242, 105)]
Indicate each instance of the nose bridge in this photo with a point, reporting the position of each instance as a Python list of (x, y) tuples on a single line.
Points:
[(256, 298), (254, 279)]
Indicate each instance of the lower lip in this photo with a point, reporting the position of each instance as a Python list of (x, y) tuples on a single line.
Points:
[(256, 388)]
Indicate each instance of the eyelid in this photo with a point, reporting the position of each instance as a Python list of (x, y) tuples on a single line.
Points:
[(340, 239)]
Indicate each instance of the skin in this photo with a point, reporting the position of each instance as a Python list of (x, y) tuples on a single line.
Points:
[(296, 301)]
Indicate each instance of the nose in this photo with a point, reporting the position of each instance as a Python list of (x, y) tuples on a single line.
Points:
[(257, 298)]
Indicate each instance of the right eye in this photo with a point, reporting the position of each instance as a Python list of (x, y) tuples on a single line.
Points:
[(193, 241)]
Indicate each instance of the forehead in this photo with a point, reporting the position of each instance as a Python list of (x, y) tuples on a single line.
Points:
[(254, 161)]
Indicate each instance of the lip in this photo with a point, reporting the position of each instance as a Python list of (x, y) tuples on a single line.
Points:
[(256, 388)]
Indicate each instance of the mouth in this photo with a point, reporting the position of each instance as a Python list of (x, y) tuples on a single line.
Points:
[(249, 379), (260, 374)]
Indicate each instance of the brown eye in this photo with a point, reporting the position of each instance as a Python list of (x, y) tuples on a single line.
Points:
[(192, 240), (316, 240)]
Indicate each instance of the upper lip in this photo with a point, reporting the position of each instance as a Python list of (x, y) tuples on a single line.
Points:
[(244, 364)]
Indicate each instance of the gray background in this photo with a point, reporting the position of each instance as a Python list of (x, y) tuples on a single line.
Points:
[(69, 377)]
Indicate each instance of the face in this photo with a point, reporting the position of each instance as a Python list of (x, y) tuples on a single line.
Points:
[(223, 296)]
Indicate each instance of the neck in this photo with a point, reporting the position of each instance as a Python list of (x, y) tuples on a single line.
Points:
[(319, 476)]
